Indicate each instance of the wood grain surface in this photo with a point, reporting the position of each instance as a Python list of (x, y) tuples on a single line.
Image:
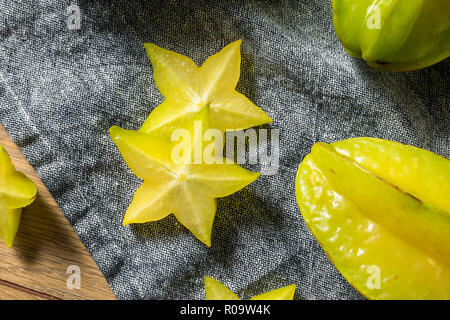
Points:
[(46, 245)]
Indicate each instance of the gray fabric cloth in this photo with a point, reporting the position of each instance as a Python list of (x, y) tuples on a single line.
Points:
[(61, 90)]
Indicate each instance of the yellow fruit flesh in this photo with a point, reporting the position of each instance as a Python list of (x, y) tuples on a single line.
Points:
[(366, 223)]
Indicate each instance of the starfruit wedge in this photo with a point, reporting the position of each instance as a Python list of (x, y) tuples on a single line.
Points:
[(381, 212), (397, 35), (215, 290), (16, 192)]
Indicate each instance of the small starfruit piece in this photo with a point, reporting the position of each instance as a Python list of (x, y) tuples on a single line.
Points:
[(16, 192), (397, 35), (215, 290), (381, 212)]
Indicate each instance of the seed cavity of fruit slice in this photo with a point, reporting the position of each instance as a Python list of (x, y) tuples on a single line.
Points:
[(188, 188)]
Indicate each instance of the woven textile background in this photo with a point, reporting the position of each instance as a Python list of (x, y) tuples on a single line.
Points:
[(61, 89)]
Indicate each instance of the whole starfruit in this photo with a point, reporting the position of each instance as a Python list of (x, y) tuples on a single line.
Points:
[(16, 192), (397, 35), (381, 212)]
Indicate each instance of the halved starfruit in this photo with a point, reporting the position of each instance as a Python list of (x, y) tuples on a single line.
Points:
[(16, 192), (381, 212), (398, 35)]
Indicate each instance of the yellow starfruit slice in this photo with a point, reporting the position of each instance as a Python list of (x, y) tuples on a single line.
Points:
[(214, 290), (398, 35), (189, 89), (186, 188), (381, 212), (16, 192)]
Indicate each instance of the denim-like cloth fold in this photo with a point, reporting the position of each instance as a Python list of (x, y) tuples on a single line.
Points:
[(62, 87)]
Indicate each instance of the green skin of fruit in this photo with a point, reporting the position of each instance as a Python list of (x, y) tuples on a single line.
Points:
[(380, 210), (398, 35)]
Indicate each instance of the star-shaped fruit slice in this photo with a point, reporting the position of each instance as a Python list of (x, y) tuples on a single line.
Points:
[(16, 192), (215, 290), (188, 89), (186, 189)]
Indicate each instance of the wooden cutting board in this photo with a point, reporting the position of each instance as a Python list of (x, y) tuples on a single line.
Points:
[(36, 267)]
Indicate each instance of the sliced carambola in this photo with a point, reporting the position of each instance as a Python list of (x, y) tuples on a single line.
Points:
[(380, 211), (16, 192), (192, 94), (214, 290), (189, 89)]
